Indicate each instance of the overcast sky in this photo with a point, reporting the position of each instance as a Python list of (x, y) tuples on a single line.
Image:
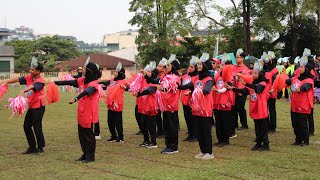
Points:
[(86, 20)]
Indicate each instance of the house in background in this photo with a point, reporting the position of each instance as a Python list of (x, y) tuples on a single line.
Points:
[(6, 59), (121, 40), (106, 63)]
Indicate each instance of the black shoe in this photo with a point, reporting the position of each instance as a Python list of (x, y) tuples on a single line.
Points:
[(119, 141), (223, 144), (139, 133), (243, 128), (144, 144), (112, 140), (256, 147), (304, 144), (81, 158), (272, 131), (296, 143), (87, 160), (169, 151), (264, 148), (193, 139), (152, 145), (31, 151), (41, 150)]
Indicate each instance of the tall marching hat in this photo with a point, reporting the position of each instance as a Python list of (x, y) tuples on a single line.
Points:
[(258, 67), (265, 57), (35, 64), (205, 60), (194, 60), (164, 62), (174, 61), (239, 52), (226, 59)]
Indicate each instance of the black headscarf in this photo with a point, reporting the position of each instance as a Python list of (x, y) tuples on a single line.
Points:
[(39, 67), (305, 75), (92, 73), (261, 78), (121, 75), (206, 66)]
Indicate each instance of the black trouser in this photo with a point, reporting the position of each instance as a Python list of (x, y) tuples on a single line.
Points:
[(286, 93), (204, 125), (170, 126), (300, 127), (234, 121), (33, 119), (279, 94), (115, 124), (311, 122), (190, 121), (239, 109), (159, 124), (149, 128), (261, 129), (138, 117), (87, 142), (272, 114), (96, 129), (223, 125)]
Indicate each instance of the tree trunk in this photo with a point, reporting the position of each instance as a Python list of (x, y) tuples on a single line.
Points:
[(248, 27), (318, 25), (246, 24), (244, 9), (294, 28)]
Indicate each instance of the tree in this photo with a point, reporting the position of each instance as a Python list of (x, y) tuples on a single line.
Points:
[(47, 50), (307, 36), (159, 23)]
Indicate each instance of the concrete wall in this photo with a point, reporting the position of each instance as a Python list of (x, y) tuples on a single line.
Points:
[(11, 59)]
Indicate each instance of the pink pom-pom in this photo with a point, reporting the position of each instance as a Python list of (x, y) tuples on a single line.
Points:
[(3, 90), (101, 95), (135, 85), (197, 100), (170, 83), (159, 100), (18, 105)]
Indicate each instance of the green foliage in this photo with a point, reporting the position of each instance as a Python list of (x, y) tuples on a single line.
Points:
[(47, 50), (307, 36), (159, 23)]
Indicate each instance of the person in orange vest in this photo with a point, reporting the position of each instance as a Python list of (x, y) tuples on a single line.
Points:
[(115, 102), (258, 106), (241, 97), (185, 98), (202, 111), (149, 108), (33, 119), (88, 112), (170, 100), (225, 101), (270, 62), (302, 87)]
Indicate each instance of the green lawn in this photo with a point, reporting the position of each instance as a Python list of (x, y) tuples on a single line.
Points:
[(129, 161)]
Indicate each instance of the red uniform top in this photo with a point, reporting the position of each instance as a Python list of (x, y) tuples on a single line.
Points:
[(35, 98), (88, 111), (225, 100), (170, 100), (259, 103), (186, 79), (240, 69), (302, 102), (149, 104), (207, 104), (115, 98)]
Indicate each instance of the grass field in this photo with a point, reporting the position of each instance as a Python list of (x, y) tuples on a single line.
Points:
[(129, 161)]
